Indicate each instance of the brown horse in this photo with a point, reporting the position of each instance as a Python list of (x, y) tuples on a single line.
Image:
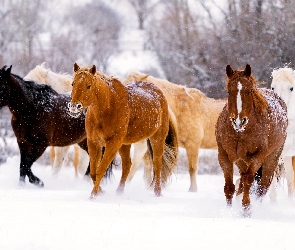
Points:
[(250, 132), (119, 115), (196, 116)]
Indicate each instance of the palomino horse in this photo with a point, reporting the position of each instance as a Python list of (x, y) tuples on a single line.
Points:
[(39, 119), (250, 132), (119, 115), (61, 83), (196, 117), (284, 85)]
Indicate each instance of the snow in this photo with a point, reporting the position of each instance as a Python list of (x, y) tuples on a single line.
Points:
[(61, 215)]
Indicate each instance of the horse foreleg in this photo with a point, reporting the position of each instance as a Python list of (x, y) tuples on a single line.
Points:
[(76, 159), (59, 153), (26, 162), (124, 152), (99, 166)]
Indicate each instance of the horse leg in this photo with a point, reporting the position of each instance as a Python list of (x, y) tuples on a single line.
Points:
[(289, 174), (99, 166), (124, 152), (60, 153), (76, 160), (293, 165), (157, 144), (83, 161), (52, 155), (228, 172), (139, 150), (26, 162), (193, 156)]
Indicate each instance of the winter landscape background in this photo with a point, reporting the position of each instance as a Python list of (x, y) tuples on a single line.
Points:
[(195, 39)]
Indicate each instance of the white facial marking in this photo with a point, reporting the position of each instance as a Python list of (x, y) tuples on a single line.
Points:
[(239, 104)]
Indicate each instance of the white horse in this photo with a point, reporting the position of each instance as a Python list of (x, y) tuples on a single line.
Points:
[(284, 85), (61, 83)]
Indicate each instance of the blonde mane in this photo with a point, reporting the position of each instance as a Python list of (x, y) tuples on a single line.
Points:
[(283, 74), (61, 83)]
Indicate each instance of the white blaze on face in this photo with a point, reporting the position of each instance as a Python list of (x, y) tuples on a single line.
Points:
[(239, 104)]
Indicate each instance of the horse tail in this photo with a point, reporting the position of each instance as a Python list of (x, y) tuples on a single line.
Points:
[(170, 155)]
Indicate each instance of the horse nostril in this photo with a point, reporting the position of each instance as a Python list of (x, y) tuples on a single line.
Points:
[(244, 121), (79, 106), (233, 120), (69, 104)]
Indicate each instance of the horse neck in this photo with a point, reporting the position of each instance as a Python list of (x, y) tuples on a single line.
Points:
[(102, 96), (18, 103)]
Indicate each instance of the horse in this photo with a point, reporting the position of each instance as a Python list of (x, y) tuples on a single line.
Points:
[(284, 85), (40, 118), (119, 115), (250, 133), (61, 83), (196, 116)]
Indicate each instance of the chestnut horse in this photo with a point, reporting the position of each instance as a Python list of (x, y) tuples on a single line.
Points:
[(61, 83), (119, 115), (196, 116), (39, 119), (250, 133), (283, 83)]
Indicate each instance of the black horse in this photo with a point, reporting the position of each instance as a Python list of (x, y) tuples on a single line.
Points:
[(39, 119)]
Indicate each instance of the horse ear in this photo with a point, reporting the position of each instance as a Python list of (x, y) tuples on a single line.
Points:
[(8, 70), (76, 67), (93, 70), (247, 71), (229, 71)]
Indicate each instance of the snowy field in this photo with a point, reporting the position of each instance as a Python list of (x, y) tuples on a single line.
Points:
[(61, 215)]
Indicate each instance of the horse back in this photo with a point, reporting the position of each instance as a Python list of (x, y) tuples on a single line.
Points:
[(148, 109)]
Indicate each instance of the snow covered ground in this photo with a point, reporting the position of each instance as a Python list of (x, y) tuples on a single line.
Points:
[(61, 215)]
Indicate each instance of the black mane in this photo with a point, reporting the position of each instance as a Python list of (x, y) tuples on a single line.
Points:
[(37, 94)]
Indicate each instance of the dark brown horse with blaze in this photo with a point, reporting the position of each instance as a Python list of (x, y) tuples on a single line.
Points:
[(119, 115), (250, 132)]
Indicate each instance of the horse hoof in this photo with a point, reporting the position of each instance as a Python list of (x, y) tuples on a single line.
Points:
[(246, 212), (37, 182), (193, 189), (120, 190)]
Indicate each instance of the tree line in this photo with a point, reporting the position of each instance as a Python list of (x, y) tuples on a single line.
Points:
[(193, 39)]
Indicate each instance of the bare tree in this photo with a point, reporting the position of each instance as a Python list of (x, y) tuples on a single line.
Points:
[(143, 9)]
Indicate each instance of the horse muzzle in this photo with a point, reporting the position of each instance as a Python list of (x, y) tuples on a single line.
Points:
[(75, 109), (239, 125)]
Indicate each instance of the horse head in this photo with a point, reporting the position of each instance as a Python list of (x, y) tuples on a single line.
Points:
[(284, 85), (243, 96), (4, 76), (81, 94)]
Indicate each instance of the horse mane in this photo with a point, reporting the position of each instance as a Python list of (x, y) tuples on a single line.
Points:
[(36, 93), (61, 83), (144, 78), (284, 74), (259, 101)]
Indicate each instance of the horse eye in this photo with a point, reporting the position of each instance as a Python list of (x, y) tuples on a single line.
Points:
[(88, 87), (291, 89), (73, 84), (272, 88)]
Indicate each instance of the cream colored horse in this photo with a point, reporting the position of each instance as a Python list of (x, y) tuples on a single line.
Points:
[(61, 83), (196, 117), (283, 83)]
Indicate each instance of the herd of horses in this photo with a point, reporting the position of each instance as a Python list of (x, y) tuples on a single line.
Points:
[(103, 116)]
